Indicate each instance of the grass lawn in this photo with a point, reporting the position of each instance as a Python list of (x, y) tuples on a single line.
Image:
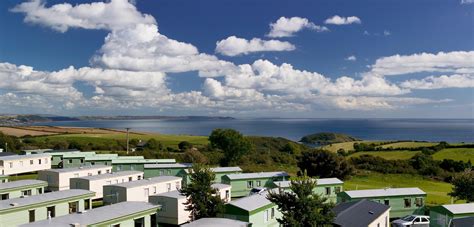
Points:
[(436, 190), (166, 140), (347, 146), (389, 155), (409, 144), (458, 154)]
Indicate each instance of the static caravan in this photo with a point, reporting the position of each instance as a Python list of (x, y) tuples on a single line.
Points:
[(403, 201), (325, 187), (361, 213), (3, 178), (255, 209), (72, 160), (95, 183), (218, 171), (172, 208), (16, 164), (100, 159), (172, 169), (140, 190), (217, 222), (446, 214), (224, 191), (14, 212), (21, 188), (58, 179), (121, 214), (130, 163), (242, 183)]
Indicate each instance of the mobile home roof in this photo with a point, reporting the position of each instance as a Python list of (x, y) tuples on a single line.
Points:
[(21, 202), (98, 215), (20, 183), (166, 166), (252, 202), (384, 192), (256, 175), (16, 157), (110, 175), (465, 208), (138, 183), (75, 169)]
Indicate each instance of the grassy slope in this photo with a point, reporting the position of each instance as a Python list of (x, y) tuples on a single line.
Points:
[(389, 155), (436, 190), (167, 140), (458, 154), (347, 146), (408, 144)]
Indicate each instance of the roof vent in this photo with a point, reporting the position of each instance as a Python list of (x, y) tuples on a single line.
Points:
[(13, 204), (371, 212), (75, 224)]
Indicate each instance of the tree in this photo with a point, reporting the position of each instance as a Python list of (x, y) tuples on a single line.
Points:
[(322, 163), (291, 148), (202, 199), (194, 156), (302, 207), (231, 142), (185, 145), (153, 144), (463, 186)]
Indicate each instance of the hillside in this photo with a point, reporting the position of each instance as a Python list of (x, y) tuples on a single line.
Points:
[(325, 138)]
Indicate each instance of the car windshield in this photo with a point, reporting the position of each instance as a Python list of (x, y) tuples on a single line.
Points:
[(408, 218), (255, 190)]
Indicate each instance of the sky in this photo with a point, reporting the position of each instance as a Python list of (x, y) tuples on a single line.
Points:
[(265, 58)]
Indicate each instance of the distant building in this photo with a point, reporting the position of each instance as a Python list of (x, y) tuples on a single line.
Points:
[(14, 212), (446, 215), (242, 183), (58, 179), (217, 222), (21, 188), (403, 201), (218, 171), (140, 190), (121, 214), (16, 164), (362, 213), (96, 183), (165, 169), (131, 163), (325, 187), (74, 159)]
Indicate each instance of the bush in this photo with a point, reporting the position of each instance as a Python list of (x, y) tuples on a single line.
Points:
[(322, 163)]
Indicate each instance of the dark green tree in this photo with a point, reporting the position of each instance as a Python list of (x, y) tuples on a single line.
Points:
[(153, 144), (232, 143), (322, 163), (463, 188), (203, 200), (185, 145), (302, 207)]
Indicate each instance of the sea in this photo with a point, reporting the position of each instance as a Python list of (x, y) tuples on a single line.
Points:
[(449, 130)]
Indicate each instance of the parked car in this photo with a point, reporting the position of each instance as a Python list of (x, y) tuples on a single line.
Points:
[(257, 191), (412, 221)]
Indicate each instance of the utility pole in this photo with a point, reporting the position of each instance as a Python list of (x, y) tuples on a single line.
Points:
[(6, 147), (128, 146)]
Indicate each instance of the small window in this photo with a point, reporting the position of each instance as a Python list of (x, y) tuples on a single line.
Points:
[(328, 191), (26, 192), (407, 203), (99, 172), (73, 207), (31, 215), (259, 183), (169, 172), (154, 189), (265, 216), (39, 161), (249, 184), (11, 164), (273, 213), (31, 162), (162, 172), (130, 178), (139, 177), (5, 196), (386, 202), (227, 194), (69, 161), (419, 202), (107, 171), (51, 211), (89, 174), (82, 160), (168, 186), (39, 190), (87, 204)]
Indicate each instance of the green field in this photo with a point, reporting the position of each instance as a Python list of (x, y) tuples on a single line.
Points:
[(458, 154), (166, 140), (389, 155), (408, 145), (436, 190), (347, 146)]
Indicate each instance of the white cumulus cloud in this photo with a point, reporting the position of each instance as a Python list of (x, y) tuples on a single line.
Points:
[(438, 82), (351, 58), (338, 20), (232, 46), (287, 27)]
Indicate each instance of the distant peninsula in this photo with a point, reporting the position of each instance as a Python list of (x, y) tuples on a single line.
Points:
[(326, 138)]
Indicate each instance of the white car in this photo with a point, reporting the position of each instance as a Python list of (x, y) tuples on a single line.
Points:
[(412, 221), (257, 191)]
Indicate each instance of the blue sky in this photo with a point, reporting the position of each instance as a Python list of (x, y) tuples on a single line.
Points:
[(385, 28)]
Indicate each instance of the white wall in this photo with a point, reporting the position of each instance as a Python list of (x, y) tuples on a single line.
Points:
[(222, 193), (139, 194), (25, 164), (58, 181), (172, 210), (97, 185), (383, 220)]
